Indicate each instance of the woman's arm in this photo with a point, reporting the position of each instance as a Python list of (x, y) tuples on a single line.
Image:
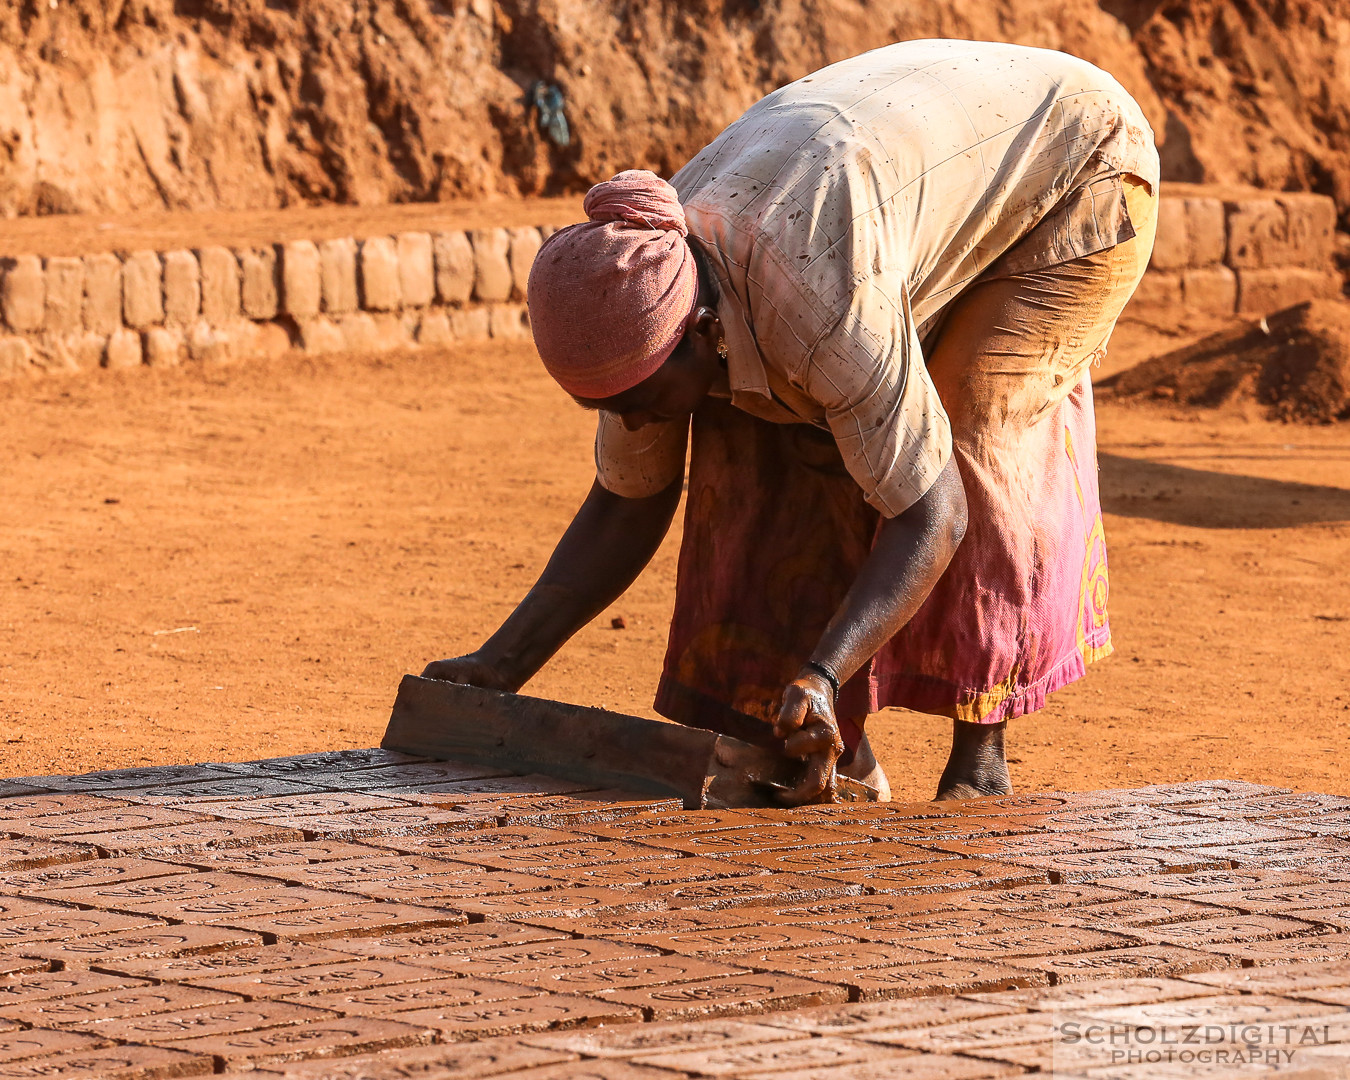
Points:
[(911, 552), (609, 542)]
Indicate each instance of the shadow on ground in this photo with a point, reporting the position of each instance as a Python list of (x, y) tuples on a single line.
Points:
[(1200, 498)]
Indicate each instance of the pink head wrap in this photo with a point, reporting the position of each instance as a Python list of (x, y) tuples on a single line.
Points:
[(609, 297)]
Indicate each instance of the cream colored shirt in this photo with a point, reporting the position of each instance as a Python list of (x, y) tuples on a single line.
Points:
[(843, 212)]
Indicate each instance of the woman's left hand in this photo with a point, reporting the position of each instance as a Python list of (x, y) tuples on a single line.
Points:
[(807, 724)]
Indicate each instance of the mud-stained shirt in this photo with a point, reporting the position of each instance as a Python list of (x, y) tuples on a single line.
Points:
[(842, 213)]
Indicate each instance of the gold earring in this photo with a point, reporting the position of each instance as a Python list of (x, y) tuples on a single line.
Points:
[(722, 348)]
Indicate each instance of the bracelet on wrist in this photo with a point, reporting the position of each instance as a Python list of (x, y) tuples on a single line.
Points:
[(825, 673)]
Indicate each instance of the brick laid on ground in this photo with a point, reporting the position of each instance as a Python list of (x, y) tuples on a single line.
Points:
[(381, 908)]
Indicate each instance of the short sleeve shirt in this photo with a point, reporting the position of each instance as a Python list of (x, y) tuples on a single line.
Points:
[(842, 213)]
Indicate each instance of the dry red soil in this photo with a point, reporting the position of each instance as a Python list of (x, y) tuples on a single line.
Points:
[(227, 563)]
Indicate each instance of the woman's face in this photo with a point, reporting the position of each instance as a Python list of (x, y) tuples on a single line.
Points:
[(675, 389)]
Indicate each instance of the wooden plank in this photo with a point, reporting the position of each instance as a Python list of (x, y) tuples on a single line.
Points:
[(527, 734)]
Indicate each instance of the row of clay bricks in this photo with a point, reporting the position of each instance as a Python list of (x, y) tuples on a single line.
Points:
[(1252, 253), (214, 303)]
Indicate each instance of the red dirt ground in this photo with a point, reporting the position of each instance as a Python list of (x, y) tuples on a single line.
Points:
[(236, 562)]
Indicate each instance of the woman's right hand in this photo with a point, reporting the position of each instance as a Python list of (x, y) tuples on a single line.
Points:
[(469, 670)]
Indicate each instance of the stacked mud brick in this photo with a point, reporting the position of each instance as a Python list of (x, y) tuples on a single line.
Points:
[(369, 915), (1240, 250), (214, 304), (1219, 251)]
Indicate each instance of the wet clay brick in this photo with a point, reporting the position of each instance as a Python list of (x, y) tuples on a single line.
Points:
[(371, 866), (537, 956), (158, 941), (750, 838), (1033, 941), (346, 1036), (919, 831), (1284, 981), (463, 1061), (622, 974), (1148, 960), (110, 1063), (453, 791), (830, 958), (974, 1035), (246, 860), (1202, 791), (862, 1017), (41, 805), (151, 890), (822, 860), (1311, 853), (1073, 996), (448, 889), (1211, 881), (1199, 834), (230, 1018), (112, 779), (304, 804), (25, 854), (726, 996), (1050, 802), (66, 923), (560, 855), (202, 836), (659, 871), (395, 821), (1124, 914), (756, 891), (231, 962), (859, 909), (38, 1042), (600, 1070), (939, 977), (939, 876), (941, 924), (639, 826), (20, 965), (1274, 901), (1111, 817), (60, 826), (1284, 950), (408, 774), (565, 810), (450, 939), (53, 882), (582, 901), (1021, 844), (41, 985), (711, 942), (1038, 897), (1303, 804), (630, 1039), (779, 1057), (230, 789), (110, 1005), (229, 907), (538, 1013), (434, 994), (349, 975), (468, 845), (1232, 928), (333, 762), (15, 908), (624, 925), (370, 918), (1090, 867)]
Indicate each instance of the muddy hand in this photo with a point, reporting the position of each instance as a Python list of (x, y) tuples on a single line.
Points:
[(809, 730), (470, 670)]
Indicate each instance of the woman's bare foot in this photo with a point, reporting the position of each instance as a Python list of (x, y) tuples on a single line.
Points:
[(865, 769), (977, 766)]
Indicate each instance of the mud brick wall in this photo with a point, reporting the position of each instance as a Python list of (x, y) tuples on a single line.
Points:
[(1224, 250), (1219, 251), (214, 304)]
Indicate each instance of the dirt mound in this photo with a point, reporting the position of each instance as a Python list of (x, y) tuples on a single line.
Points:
[(1295, 363), (127, 105)]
